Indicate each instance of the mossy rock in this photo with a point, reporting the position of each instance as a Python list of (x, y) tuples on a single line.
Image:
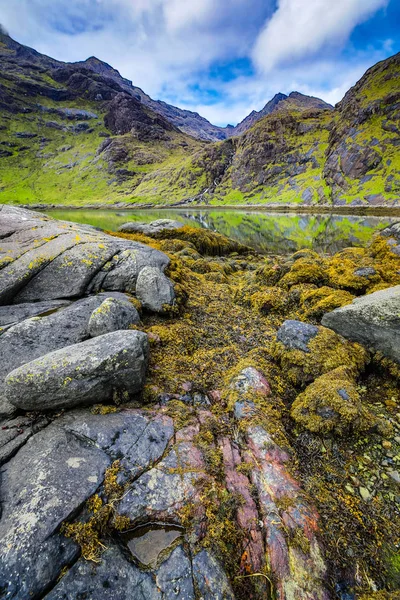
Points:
[(326, 351), (206, 242), (332, 404), (305, 270)]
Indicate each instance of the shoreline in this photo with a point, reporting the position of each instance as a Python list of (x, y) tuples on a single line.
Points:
[(377, 211)]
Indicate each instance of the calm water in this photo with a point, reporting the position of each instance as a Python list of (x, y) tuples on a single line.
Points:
[(279, 233)]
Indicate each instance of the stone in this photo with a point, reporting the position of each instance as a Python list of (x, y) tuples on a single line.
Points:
[(154, 290), (296, 335), (372, 320), (365, 272), (108, 367), (112, 315), (48, 479), (150, 228), (11, 315), (211, 579), (364, 493), (138, 439), (43, 259), (174, 577), (38, 336), (114, 577)]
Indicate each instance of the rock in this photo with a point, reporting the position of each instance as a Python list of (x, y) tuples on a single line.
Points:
[(288, 562), (108, 367), (174, 577), (114, 577), (243, 410), (154, 290), (38, 336), (43, 259), (365, 272), (364, 493), (49, 478), (10, 315), (296, 335), (251, 380), (332, 403), (161, 492), (395, 476), (112, 315), (138, 439), (150, 228), (372, 320), (211, 580), (14, 433)]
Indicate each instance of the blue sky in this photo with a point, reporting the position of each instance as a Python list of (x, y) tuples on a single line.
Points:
[(221, 58)]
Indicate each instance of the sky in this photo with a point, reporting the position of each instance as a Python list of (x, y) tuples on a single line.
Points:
[(221, 58)]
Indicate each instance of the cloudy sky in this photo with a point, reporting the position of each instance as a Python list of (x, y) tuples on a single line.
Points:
[(221, 58)]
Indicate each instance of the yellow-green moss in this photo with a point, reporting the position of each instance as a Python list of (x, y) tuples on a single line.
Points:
[(332, 404), (327, 351)]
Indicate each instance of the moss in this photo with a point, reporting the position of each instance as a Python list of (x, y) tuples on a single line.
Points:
[(327, 351), (316, 302), (304, 270), (272, 300), (332, 404), (103, 409)]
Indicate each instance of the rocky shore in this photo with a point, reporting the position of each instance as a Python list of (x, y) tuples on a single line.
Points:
[(184, 418)]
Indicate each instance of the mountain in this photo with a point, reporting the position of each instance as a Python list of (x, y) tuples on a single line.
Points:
[(280, 101), (80, 134)]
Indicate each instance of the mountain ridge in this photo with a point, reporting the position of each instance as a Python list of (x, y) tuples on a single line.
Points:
[(79, 133), (187, 121)]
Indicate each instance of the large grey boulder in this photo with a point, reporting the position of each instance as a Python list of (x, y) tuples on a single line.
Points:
[(150, 228), (38, 336), (44, 259), (112, 315), (154, 290), (109, 367), (372, 320)]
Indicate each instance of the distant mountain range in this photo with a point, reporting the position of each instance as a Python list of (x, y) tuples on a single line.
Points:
[(79, 133)]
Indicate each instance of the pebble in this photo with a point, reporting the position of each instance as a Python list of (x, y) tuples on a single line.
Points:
[(394, 475), (386, 444), (364, 493)]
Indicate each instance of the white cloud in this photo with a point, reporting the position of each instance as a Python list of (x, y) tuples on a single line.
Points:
[(170, 48), (300, 28)]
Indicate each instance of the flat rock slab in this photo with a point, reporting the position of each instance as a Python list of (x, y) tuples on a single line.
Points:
[(108, 367), (11, 315), (372, 320), (48, 479), (43, 259), (150, 228)]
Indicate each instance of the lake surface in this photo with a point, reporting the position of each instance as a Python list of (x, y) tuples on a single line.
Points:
[(270, 232)]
